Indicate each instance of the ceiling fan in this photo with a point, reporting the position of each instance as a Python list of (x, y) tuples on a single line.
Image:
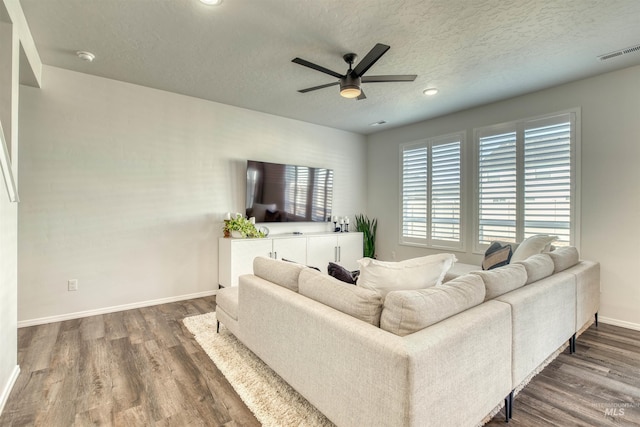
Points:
[(351, 81)]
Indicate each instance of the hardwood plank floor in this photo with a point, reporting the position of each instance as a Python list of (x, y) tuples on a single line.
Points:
[(132, 368), (143, 368), (599, 385)]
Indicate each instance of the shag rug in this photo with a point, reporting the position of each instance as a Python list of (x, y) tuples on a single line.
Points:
[(273, 402)]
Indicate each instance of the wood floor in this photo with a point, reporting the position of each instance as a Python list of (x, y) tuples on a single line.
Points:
[(133, 368), (142, 368)]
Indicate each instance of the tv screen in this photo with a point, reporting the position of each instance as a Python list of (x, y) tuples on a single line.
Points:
[(284, 193)]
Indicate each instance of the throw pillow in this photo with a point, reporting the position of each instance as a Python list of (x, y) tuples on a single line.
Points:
[(415, 273), (296, 262), (496, 256), (341, 273), (533, 245)]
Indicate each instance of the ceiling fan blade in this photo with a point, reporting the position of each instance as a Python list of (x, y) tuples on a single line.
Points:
[(309, 89), (316, 67), (381, 79), (370, 59), (361, 96)]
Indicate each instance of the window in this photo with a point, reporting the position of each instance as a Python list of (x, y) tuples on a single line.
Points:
[(431, 192), (526, 180)]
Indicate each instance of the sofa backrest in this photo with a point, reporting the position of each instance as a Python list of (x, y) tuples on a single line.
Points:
[(408, 311), (564, 258), (281, 273), (538, 267), (502, 279), (361, 303)]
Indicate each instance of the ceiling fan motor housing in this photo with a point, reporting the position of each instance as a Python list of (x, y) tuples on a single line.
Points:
[(350, 85)]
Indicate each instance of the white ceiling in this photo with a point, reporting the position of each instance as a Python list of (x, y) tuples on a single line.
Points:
[(239, 53)]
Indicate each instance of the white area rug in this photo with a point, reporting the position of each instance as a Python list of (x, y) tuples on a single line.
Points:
[(273, 402)]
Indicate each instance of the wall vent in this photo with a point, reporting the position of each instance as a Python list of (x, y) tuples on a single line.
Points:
[(620, 52)]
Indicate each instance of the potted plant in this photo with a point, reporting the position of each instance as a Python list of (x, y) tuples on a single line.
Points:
[(241, 227), (368, 228)]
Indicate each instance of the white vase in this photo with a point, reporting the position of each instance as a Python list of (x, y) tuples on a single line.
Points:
[(236, 234)]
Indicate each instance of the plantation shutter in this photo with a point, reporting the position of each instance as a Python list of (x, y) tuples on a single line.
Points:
[(414, 193), (526, 180), (445, 191), (432, 191), (547, 180), (497, 188)]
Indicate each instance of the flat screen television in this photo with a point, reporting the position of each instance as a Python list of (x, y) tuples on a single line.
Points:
[(285, 193)]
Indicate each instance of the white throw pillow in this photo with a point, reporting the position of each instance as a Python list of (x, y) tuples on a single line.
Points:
[(533, 245), (415, 273)]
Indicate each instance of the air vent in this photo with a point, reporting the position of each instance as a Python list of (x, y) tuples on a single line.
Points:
[(620, 52)]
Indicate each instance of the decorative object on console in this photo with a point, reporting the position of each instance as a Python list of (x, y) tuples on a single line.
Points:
[(368, 229), (241, 227)]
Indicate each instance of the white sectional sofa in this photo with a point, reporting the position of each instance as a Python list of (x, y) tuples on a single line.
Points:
[(447, 356)]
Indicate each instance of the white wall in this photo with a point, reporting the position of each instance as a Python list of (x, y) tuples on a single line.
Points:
[(8, 293), (610, 195), (123, 188)]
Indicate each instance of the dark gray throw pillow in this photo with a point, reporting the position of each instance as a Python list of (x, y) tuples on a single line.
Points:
[(341, 273), (496, 256)]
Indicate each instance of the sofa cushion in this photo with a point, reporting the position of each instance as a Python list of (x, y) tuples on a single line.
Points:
[(415, 273), (564, 258), (502, 280), (533, 245), (227, 300), (279, 272), (405, 312), (497, 255), (363, 304), (538, 267)]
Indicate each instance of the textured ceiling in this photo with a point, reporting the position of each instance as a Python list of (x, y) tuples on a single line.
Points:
[(239, 53)]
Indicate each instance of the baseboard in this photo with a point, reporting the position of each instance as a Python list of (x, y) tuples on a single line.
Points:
[(8, 386), (621, 323), (113, 309)]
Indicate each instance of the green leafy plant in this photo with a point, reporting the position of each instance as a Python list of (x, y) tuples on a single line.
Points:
[(243, 226), (368, 228)]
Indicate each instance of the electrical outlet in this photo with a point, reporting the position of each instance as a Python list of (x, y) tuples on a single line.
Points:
[(72, 284)]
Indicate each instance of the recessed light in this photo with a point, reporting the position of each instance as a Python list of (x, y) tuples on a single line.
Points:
[(211, 2), (85, 56), (430, 91)]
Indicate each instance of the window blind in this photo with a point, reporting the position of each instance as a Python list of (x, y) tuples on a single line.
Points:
[(414, 192), (547, 181), (497, 188), (526, 180), (445, 191), (431, 192)]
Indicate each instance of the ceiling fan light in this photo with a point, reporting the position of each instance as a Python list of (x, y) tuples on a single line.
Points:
[(430, 91), (350, 92)]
